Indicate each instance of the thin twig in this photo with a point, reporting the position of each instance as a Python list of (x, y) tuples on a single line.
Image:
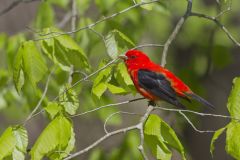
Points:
[(74, 15), (108, 105), (197, 113), (13, 5), (101, 36), (113, 114), (124, 130), (56, 34), (214, 19), (148, 45), (193, 126), (141, 130), (175, 32), (87, 77), (41, 99)]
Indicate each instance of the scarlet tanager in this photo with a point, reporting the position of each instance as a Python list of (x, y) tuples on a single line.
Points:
[(155, 82)]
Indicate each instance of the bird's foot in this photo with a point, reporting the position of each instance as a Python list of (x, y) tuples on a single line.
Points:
[(152, 103)]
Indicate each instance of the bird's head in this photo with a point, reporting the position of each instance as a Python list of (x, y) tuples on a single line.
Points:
[(135, 58)]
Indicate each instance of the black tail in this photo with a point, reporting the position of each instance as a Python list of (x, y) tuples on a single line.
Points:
[(201, 100)]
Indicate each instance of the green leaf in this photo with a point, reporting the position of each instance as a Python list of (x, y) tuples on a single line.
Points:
[(18, 77), (68, 99), (99, 89), (33, 63), (124, 37), (64, 51), (7, 143), (30, 63), (100, 82), (159, 135), (233, 139), (13, 142), (45, 16), (53, 109), (111, 44), (116, 90), (20, 149), (234, 99), (56, 141), (12, 46), (215, 137), (158, 148), (123, 78)]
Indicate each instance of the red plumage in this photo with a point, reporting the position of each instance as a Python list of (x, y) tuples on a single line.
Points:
[(155, 82)]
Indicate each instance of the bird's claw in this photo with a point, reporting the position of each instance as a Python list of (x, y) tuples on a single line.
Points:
[(151, 103)]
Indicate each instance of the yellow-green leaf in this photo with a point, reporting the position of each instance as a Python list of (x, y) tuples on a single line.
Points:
[(56, 141), (234, 99), (233, 139)]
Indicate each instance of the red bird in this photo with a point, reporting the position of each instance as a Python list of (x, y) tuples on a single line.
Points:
[(157, 83)]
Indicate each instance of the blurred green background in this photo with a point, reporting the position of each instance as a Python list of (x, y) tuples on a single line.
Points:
[(202, 55)]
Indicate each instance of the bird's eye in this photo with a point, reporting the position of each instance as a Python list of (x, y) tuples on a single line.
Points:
[(133, 57)]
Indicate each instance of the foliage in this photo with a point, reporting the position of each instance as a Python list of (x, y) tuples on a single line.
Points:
[(233, 128), (28, 58)]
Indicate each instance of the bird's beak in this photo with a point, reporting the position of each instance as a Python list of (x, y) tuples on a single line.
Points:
[(123, 57)]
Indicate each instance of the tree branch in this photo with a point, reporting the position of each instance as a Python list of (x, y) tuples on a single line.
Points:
[(13, 5), (215, 20), (124, 130), (175, 32), (32, 114), (56, 34)]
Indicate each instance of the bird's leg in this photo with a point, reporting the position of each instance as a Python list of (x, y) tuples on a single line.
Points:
[(152, 103)]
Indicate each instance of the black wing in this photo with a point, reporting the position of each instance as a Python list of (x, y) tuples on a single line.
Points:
[(159, 86)]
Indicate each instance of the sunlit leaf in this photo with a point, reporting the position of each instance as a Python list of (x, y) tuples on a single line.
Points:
[(116, 90), (100, 82), (7, 143), (113, 41), (33, 63), (53, 109), (234, 99), (159, 135), (64, 51), (68, 99), (124, 37), (56, 141), (123, 78), (233, 139), (13, 142)]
